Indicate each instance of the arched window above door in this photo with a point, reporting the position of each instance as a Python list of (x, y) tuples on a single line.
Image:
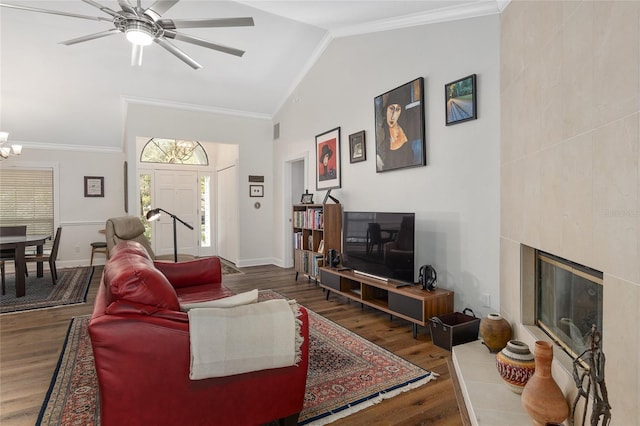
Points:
[(174, 151)]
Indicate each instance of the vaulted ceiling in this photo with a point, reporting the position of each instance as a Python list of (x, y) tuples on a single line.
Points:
[(46, 87)]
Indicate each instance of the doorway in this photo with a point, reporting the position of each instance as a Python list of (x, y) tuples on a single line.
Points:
[(295, 184)]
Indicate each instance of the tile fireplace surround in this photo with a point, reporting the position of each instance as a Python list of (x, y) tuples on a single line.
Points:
[(570, 169)]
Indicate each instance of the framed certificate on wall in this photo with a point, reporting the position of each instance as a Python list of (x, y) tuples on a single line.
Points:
[(94, 186)]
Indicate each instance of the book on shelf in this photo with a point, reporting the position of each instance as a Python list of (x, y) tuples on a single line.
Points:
[(312, 218), (318, 261)]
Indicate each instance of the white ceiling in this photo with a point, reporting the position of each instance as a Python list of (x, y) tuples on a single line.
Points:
[(45, 82)]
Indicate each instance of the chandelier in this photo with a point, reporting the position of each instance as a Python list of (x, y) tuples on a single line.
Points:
[(6, 149)]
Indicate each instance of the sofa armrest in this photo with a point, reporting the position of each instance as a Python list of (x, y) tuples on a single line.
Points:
[(193, 272)]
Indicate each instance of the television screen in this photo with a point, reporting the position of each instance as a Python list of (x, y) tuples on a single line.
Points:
[(379, 244)]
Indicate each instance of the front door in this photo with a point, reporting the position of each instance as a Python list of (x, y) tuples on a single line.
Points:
[(176, 192)]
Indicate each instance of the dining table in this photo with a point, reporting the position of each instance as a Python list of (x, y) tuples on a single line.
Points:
[(19, 243)]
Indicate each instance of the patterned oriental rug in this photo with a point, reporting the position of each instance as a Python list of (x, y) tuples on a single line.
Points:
[(346, 374), (72, 287)]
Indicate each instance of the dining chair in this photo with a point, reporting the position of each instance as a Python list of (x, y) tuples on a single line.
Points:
[(374, 238), (51, 257)]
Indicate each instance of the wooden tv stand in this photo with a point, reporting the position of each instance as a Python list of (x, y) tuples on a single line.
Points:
[(409, 302)]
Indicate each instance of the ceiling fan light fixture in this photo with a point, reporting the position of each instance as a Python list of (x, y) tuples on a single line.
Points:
[(138, 34)]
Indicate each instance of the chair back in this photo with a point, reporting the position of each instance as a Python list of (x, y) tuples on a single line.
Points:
[(406, 234), (56, 244), (375, 235), (13, 231), (126, 228)]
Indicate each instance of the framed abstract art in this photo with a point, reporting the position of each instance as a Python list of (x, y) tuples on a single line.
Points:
[(399, 118)]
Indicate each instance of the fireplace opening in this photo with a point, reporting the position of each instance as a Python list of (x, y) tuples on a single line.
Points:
[(568, 301)]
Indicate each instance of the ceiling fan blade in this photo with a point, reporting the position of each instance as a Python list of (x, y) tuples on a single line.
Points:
[(178, 53), (91, 37), (203, 43), (172, 24), (55, 12), (128, 7), (157, 9), (105, 9)]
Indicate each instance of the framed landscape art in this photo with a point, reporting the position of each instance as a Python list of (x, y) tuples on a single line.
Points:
[(328, 159), (460, 100), (399, 117)]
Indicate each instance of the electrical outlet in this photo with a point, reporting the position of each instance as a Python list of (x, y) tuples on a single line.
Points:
[(77, 249), (486, 300)]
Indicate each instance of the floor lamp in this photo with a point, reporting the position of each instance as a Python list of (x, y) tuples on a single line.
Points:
[(154, 214)]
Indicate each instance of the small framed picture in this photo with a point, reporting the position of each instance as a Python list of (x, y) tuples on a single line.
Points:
[(357, 148), (306, 198), (256, 190), (94, 186), (460, 100)]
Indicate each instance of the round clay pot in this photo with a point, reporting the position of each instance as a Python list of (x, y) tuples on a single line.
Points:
[(515, 364), (542, 398), (495, 332)]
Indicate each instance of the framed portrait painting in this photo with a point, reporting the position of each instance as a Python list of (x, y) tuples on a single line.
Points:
[(328, 159), (460, 100), (399, 117)]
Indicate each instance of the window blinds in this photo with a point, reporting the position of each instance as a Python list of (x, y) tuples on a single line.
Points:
[(26, 198)]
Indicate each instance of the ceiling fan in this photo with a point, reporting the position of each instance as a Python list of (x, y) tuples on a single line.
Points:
[(145, 26)]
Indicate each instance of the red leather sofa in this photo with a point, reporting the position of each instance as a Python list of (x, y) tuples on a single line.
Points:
[(141, 347)]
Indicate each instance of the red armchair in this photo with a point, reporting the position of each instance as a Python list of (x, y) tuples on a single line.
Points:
[(141, 346)]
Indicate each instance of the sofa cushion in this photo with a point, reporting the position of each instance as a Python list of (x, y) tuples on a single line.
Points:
[(245, 298), (133, 278), (130, 247)]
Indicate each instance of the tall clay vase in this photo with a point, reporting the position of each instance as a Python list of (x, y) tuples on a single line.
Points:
[(495, 332), (542, 398)]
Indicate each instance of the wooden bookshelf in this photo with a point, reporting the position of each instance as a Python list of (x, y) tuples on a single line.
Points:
[(316, 229)]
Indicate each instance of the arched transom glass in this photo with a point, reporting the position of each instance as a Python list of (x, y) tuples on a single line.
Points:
[(174, 151)]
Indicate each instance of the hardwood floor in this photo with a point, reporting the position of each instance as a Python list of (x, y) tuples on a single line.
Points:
[(30, 345)]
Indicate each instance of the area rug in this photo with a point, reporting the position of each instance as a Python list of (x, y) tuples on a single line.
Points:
[(72, 287), (346, 374)]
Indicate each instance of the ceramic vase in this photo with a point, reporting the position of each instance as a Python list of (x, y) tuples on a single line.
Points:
[(542, 398), (515, 364), (495, 332)]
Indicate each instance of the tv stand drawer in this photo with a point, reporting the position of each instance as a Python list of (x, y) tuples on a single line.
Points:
[(330, 280), (406, 306)]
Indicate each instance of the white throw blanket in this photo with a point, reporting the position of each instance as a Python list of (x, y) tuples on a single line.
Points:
[(227, 341)]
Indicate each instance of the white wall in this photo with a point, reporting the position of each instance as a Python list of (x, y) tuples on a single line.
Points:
[(456, 196), (80, 217), (253, 136)]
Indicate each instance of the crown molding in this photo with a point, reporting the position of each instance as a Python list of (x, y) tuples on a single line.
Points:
[(53, 146), (133, 100), (453, 13)]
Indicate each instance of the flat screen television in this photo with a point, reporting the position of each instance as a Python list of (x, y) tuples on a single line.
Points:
[(379, 244)]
